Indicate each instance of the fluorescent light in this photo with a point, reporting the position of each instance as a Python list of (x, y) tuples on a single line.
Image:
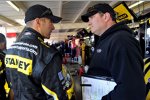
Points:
[(135, 4), (13, 5)]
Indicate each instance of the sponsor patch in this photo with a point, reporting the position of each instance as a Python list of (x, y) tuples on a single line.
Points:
[(99, 50), (60, 75), (22, 65)]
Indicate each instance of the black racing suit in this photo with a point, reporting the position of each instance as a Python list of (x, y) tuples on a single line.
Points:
[(118, 55), (34, 69), (2, 76)]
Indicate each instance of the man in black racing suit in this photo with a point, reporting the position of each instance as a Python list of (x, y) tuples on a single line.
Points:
[(33, 68), (2, 67)]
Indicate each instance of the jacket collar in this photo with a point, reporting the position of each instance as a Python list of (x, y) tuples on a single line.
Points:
[(34, 32), (114, 28)]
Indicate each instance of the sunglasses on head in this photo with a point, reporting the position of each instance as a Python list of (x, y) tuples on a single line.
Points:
[(93, 10), (47, 12)]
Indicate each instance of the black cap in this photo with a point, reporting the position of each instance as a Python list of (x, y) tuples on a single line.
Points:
[(101, 7), (40, 11)]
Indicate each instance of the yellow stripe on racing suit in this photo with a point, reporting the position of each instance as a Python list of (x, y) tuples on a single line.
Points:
[(69, 81), (53, 94), (147, 77)]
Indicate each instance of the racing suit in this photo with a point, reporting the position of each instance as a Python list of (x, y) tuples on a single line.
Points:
[(2, 76), (34, 69)]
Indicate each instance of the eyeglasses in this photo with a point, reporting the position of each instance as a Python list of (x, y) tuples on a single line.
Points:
[(92, 9), (47, 12)]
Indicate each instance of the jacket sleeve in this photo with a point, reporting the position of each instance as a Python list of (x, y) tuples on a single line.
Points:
[(126, 65), (53, 81)]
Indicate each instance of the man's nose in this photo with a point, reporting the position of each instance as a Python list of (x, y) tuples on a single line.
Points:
[(53, 27), (89, 22)]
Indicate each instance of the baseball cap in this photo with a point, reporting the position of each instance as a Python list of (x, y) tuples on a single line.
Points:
[(40, 11), (102, 8)]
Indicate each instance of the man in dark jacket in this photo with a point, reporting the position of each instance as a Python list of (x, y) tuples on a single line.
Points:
[(2, 67), (117, 54), (33, 68)]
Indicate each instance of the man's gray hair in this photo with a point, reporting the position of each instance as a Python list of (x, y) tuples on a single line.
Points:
[(29, 23)]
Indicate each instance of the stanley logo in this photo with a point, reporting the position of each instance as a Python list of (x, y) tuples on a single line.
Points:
[(23, 65), (123, 12), (123, 16)]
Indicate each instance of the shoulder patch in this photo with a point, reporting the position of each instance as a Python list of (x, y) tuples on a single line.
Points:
[(60, 75)]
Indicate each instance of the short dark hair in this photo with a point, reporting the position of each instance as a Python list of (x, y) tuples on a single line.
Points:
[(2, 38)]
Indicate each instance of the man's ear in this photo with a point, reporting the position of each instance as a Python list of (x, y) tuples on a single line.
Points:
[(37, 21), (107, 16)]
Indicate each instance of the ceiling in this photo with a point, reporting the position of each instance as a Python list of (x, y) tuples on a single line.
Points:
[(69, 10)]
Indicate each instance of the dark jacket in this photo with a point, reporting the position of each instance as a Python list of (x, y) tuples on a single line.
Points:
[(118, 55), (2, 76), (34, 69)]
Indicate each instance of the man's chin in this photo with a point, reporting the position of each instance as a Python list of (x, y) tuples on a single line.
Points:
[(93, 32), (47, 37), (96, 33)]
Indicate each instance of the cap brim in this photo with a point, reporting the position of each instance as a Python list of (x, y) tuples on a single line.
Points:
[(55, 19), (86, 16)]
